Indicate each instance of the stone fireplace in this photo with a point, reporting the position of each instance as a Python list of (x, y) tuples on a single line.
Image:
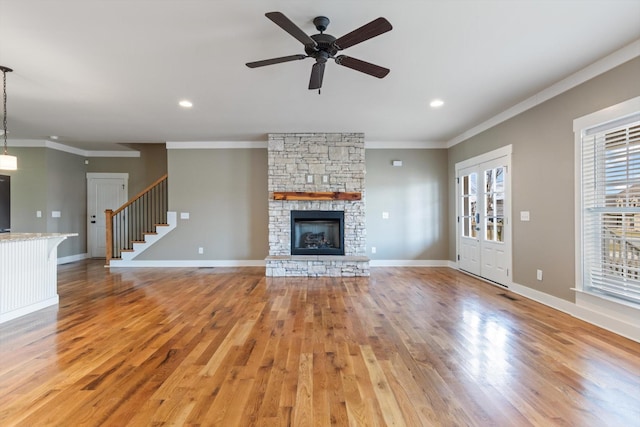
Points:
[(311, 173)]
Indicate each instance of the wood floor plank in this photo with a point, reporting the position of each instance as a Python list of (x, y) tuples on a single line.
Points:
[(230, 347)]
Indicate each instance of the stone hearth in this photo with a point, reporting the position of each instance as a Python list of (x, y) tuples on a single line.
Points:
[(311, 163)]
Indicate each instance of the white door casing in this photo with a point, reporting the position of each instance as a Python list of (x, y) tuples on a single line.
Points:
[(483, 210), (104, 191)]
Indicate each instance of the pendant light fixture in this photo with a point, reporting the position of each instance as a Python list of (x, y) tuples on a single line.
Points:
[(7, 162)]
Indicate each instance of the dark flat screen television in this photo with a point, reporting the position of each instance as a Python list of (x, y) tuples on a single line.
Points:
[(5, 203)]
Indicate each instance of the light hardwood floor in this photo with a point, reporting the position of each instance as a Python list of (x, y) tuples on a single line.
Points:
[(229, 347)]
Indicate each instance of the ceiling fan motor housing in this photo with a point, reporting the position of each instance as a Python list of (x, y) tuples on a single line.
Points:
[(324, 49)]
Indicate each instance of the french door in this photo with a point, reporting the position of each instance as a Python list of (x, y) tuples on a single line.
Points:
[(483, 217)]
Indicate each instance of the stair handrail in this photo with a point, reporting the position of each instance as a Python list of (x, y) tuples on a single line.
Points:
[(140, 194), (110, 213)]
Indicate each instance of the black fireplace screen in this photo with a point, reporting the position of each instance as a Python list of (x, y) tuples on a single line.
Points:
[(317, 232)]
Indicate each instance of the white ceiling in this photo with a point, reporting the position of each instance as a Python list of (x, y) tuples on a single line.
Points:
[(97, 72)]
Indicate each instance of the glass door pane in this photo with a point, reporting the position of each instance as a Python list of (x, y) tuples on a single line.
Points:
[(494, 204), (469, 214)]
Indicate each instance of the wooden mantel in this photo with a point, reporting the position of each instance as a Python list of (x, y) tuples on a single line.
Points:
[(317, 195)]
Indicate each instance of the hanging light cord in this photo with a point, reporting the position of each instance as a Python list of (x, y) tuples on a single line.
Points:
[(4, 108)]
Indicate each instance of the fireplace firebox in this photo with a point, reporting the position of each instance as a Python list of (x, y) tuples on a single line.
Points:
[(317, 232)]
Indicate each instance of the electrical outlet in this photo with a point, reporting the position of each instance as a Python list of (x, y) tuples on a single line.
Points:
[(200, 251), (539, 274), (373, 249), (385, 215)]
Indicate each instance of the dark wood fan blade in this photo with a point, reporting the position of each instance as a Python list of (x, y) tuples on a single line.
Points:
[(362, 66), (286, 24), (272, 61), (317, 72), (366, 32)]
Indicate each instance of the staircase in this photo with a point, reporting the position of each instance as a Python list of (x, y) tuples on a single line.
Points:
[(138, 224)]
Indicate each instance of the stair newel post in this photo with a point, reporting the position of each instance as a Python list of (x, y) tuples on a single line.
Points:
[(108, 214)]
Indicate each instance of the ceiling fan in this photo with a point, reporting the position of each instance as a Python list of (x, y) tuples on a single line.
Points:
[(323, 46)]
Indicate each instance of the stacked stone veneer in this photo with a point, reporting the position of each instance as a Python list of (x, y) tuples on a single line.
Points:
[(292, 158)]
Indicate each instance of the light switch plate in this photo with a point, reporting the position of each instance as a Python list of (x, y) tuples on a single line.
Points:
[(55, 214), (524, 216), (184, 215)]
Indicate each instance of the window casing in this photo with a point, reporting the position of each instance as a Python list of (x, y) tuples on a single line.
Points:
[(610, 209)]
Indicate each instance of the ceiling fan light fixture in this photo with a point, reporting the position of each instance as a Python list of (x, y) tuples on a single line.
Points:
[(436, 103), (7, 162), (185, 103)]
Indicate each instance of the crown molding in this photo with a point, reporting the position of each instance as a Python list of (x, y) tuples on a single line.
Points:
[(404, 145), (601, 66), (37, 143), (214, 145)]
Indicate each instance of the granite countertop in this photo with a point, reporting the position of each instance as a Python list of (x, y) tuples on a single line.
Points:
[(14, 237)]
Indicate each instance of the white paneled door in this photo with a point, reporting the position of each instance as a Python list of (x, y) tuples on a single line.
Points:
[(104, 191), (483, 218)]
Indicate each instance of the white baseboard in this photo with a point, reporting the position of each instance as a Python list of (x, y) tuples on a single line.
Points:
[(5, 317), (262, 263), (609, 323), (188, 263), (604, 321), (409, 263), (72, 258)]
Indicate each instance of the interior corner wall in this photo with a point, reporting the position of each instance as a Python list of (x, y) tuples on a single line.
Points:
[(543, 177), (66, 185), (415, 195), (49, 180), (143, 170), (29, 190)]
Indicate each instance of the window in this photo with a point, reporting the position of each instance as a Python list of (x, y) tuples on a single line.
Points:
[(610, 208)]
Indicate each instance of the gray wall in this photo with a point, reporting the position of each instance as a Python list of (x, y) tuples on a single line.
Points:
[(50, 180), (416, 198), (67, 193), (543, 176), (143, 170), (225, 193), (29, 190)]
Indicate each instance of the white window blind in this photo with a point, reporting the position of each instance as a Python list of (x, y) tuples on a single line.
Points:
[(611, 209)]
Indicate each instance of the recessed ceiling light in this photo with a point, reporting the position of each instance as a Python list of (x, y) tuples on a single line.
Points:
[(436, 103), (53, 136), (185, 104)]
